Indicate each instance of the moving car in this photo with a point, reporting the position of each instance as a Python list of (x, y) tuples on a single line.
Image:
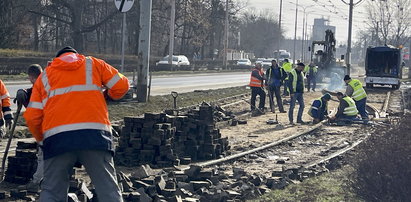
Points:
[(178, 60), (244, 62)]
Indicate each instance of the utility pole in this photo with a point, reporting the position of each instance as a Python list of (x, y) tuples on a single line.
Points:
[(171, 40), (279, 33), (144, 50), (123, 41), (225, 35), (348, 57), (348, 54), (295, 30)]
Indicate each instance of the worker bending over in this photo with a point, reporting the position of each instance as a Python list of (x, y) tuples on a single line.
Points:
[(23, 98), (358, 94), (275, 77), (68, 114), (319, 108), (296, 86), (347, 110), (257, 87)]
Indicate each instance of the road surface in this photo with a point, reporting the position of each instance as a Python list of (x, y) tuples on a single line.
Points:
[(164, 84)]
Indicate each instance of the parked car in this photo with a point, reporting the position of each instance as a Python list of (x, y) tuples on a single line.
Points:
[(178, 60), (267, 62), (244, 62), (259, 60)]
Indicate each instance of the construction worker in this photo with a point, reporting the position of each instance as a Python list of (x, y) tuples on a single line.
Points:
[(319, 108), (287, 67), (358, 94), (256, 85), (347, 110), (5, 113), (311, 75), (275, 77), (68, 116), (23, 98), (296, 86)]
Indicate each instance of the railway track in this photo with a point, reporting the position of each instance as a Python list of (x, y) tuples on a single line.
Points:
[(317, 145)]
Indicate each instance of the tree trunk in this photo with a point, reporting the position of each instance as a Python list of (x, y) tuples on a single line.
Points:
[(35, 32)]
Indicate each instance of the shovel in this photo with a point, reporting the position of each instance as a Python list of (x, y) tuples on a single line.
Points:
[(3, 163)]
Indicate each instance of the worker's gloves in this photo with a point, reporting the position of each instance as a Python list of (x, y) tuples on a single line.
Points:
[(21, 97), (9, 122), (106, 96)]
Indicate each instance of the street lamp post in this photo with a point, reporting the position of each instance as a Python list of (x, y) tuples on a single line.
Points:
[(305, 19), (279, 32), (295, 29)]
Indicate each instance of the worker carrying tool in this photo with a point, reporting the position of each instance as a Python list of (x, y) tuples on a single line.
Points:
[(68, 115), (287, 67), (356, 91), (23, 98), (311, 75), (257, 87), (6, 116), (296, 86), (275, 78), (319, 108), (347, 110)]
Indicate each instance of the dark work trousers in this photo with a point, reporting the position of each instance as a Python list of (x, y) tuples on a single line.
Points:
[(275, 90), (254, 92), (361, 108), (296, 97), (286, 91), (313, 80)]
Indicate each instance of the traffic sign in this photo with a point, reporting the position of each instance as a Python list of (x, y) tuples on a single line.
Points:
[(124, 5)]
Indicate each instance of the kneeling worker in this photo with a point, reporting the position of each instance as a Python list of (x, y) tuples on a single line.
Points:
[(319, 108), (347, 110)]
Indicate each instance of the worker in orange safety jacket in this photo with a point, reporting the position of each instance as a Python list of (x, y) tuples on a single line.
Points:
[(68, 116), (256, 84), (5, 113)]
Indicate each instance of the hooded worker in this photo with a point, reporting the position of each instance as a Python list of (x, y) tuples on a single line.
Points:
[(68, 116), (319, 108)]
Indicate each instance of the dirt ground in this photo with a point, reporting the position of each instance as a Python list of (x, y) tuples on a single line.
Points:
[(257, 132)]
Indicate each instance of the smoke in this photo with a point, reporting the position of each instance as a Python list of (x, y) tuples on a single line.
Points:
[(335, 76)]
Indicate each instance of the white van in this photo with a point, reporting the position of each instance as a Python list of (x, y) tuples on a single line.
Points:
[(178, 60)]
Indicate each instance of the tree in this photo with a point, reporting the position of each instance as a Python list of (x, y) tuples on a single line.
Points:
[(259, 33), (72, 13), (390, 21)]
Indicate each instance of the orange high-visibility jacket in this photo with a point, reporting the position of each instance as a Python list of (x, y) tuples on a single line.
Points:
[(68, 96), (255, 82), (5, 102)]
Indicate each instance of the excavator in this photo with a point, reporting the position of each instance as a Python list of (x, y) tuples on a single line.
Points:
[(323, 56)]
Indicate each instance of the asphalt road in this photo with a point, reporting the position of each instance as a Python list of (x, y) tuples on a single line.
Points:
[(164, 84)]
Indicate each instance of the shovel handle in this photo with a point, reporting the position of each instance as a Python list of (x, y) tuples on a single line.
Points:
[(3, 163)]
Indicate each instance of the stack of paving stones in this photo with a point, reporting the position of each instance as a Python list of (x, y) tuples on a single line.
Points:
[(21, 167), (147, 140), (170, 138)]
